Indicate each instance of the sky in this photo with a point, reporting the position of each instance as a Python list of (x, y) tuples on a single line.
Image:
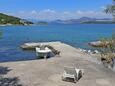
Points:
[(54, 9)]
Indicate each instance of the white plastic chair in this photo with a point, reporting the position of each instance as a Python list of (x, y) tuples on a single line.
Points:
[(72, 73)]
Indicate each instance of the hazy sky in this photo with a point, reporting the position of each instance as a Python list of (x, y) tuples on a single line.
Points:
[(54, 9)]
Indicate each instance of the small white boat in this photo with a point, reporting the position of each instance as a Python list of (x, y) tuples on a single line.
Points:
[(43, 52)]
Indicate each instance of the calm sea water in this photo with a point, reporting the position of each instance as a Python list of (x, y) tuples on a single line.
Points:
[(76, 35)]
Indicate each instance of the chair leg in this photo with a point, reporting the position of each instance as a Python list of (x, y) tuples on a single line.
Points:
[(75, 80), (63, 78)]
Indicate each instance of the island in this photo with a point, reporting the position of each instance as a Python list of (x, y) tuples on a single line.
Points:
[(11, 20), (98, 22), (41, 23)]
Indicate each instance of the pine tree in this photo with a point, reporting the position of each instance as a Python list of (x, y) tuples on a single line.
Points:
[(110, 9)]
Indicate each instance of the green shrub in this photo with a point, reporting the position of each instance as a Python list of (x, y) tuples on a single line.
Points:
[(108, 51)]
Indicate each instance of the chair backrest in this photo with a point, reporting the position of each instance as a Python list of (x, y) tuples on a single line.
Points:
[(80, 71), (70, 70)]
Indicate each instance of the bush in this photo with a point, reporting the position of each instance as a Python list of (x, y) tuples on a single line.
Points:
[(108, 51)]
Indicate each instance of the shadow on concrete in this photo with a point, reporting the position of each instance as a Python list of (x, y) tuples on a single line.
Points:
[(8, 81), (4, 70)]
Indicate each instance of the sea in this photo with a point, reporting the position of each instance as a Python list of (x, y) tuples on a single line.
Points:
[(76, 35)]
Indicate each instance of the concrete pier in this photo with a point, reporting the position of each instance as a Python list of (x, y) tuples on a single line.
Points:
[(48, 73)]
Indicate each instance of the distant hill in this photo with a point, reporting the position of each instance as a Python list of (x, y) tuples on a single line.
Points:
[(41, 23), (81, 20), (11, 20), (99, 22), (38, 22)]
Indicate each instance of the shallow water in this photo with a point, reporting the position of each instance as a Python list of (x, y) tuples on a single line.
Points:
[(77, 35)]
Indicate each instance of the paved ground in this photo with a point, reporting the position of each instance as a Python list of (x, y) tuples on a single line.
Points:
[(48, 73)]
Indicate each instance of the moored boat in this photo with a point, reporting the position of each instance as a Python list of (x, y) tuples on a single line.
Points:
[(43, 52)]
